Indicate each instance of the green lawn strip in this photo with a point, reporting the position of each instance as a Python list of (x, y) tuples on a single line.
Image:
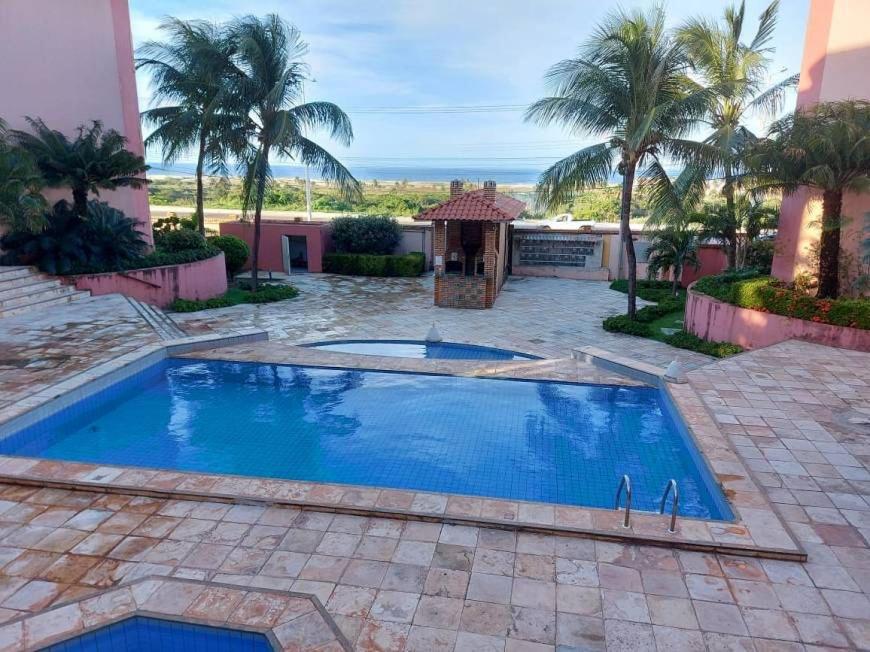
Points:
[(651, 328), (236, 295)]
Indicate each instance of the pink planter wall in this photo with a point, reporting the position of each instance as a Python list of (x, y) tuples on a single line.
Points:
[(317, 236), (714, 320), (160, 286)]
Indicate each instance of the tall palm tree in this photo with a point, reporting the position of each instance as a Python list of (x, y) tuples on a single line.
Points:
[(267, 77), (630, 85), (22, 206), (738, 72), (94, 160), (825, 147), (189, 76)]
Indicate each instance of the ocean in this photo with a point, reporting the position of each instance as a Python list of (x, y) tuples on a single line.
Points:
[(385, 173)]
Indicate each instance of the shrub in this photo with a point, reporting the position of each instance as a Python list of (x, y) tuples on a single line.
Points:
[(760, 255), (107, 239), (266, 293), (179, 240), (767, 294), (622, 324), (366, 234), (686, 340), (411, 264), (648, 290), (236, 251)]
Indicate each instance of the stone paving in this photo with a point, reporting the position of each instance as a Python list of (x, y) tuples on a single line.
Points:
[(42, 348), (796, 414), (547, 317)]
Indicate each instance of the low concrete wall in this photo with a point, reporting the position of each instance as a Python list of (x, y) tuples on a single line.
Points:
[(160, 286), (715, 320), (553, 271)]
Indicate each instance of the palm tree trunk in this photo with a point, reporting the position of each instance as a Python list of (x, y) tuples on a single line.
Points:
[(627, 241), (676, 283), (829, 245), (258, 211), (80, 202), (200, 209), (730, 230)]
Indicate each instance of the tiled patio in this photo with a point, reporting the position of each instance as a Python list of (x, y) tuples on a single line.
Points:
[(547, 317), (796, 415)]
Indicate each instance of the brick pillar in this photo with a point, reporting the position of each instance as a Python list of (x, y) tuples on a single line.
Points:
[(455, 188), (439, 247), (490, 234), (489, 190)]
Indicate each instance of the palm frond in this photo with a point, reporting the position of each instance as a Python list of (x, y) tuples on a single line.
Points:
[(587, 168)]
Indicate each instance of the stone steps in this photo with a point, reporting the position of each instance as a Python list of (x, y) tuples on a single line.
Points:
[(23, 290)]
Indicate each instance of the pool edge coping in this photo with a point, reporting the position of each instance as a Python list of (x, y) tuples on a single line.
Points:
[(62, 635), (725, 466)]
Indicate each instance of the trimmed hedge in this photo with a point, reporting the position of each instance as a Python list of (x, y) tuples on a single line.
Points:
[(156, 258), (686, 340), (264, 294), (767, 294), (412, 264), (646, 289), (179, 240)]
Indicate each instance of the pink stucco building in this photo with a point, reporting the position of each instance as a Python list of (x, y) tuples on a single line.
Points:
[(835, 67), (70, 62)]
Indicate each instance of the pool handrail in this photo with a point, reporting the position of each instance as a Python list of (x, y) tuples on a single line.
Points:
[(624, 483), (672, 484)]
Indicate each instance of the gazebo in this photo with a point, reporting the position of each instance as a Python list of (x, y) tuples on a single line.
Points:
[(471, 245)]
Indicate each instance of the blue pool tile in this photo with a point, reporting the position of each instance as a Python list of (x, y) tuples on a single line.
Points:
[(521, 440), (417, 349)]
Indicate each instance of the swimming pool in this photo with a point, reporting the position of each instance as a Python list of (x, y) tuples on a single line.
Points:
[(521, 440), (419, 349)]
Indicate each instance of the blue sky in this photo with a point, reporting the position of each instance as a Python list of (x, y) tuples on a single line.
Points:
[(381, 53)]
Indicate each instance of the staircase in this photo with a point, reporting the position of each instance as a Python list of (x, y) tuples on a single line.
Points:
[(162, 323), (22, 290)]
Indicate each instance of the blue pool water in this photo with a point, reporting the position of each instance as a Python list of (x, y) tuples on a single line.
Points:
[(414, 349), (146, 634), (523, 440)]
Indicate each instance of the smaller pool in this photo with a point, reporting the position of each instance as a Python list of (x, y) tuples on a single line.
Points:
[(419, 349), (147, 634)]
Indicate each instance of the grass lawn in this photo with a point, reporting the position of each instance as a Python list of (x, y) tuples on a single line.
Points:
[(266, 293)]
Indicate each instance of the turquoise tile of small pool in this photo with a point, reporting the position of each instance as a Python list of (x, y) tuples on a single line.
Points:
[(520, 440), (413, 349)]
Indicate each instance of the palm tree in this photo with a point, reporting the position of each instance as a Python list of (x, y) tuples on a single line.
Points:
[(189, 75), (672, 248), (95, 160), (826, 148), (630, 85), (738, 72), (267, 77), (22, 206)]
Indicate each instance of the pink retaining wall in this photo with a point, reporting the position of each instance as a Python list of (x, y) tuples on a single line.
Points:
[(714, 320), (70, 62), (317, 236), (160, 286)]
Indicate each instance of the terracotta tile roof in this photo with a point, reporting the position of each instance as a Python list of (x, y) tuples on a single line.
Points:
[(474, 206)]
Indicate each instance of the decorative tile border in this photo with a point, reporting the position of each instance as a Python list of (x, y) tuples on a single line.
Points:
[(290, 620), (757, 530)]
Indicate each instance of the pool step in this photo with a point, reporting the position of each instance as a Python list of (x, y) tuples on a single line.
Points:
[(162, 324), (24, 289)]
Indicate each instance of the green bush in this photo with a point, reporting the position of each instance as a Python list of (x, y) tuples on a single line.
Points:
[(179, 240), (646, 289), (664, 307), (622, 324), (366, 234), (412, 264), (236, 251), (685, 340), (106, 240), (265, 294), (767, 294)]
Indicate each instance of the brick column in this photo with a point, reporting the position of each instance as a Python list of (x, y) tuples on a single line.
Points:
[(489, 258)]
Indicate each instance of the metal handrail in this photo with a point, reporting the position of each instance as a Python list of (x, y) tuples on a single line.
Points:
[(672, 484), (625, 482)]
